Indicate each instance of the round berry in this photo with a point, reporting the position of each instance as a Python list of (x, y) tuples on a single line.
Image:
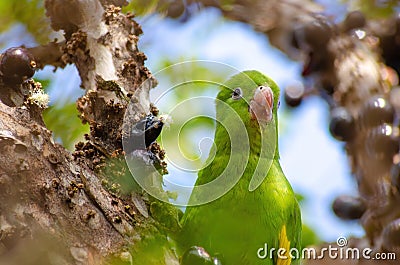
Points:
[(153, 129), (348, 207), (294, 94), (341, 124), (196, 256), (376, 111), (354, 20), (17, 65), (175, 9), (395, 175), (391, 236), (317, 32), (382, 141)]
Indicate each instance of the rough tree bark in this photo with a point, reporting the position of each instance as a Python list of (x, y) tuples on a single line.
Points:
[(57, 207)]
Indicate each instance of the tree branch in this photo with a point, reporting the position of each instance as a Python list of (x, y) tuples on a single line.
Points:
[(45, 190)]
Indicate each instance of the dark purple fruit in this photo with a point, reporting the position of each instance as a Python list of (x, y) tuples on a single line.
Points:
[(175, 9), (348, 207), (144, 133), (196, 256), (294, 94), (382, 141), (17, 65), (376, 111), (317, 32), (153, 129), (354, 20), (395, 176), (391, 236), (341, 124)]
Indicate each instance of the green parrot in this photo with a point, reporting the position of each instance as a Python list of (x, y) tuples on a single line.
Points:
[(251, 207)]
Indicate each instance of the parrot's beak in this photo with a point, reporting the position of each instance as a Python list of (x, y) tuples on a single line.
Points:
[(261, 104)]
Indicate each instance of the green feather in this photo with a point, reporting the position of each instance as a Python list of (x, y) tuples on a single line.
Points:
[(262, 202)]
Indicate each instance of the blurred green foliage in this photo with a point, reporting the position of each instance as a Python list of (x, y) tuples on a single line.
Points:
[(63, 120), (309, 237), (191, 127), (171, 7), (375, 9), (145, 7), (172, 79), (29, 13)]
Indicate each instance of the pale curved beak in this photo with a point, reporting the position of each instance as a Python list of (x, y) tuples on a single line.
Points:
[(261, 104)]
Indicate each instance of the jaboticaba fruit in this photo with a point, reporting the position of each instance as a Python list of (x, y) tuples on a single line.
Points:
[(17, 65), (376, 111), (317, 32), (294, 94), (383, 141), (196, 256), (341, 124), (348, 207), (391, 236), (354, 20)]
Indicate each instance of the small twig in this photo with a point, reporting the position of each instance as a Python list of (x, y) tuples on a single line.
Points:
[(49, 54)]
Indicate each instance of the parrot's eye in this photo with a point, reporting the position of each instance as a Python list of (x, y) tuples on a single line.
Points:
[(237, 93)]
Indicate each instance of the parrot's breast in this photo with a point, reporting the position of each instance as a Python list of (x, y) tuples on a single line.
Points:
[(239, 223)]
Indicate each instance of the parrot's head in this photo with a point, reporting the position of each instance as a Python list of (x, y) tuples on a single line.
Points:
[(250, 99), (253, 96)]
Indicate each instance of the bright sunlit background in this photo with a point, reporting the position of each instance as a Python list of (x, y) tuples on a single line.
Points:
[(313, 161)]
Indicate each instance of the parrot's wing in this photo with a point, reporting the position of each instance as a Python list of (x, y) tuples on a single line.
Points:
[(268, 148), (290, 231), (218, 178), (295, 228)]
